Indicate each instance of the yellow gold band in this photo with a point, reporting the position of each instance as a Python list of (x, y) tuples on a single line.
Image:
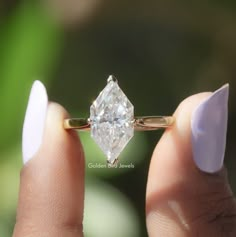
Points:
[(143, 123)]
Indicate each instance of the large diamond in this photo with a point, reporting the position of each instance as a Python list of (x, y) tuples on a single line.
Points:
[(111, 118)]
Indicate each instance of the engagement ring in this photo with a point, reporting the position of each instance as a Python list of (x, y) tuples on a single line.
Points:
[(112, 122)]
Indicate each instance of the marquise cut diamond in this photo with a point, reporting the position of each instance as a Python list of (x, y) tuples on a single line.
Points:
[(111, 119)]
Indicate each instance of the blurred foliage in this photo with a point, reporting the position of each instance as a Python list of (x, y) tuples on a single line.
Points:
[(161, 52), (29, 47), (9, 179), (29, 44)]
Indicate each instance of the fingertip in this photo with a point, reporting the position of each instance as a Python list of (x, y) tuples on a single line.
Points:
[(52, 182), (177, 189), (55, 136), (184, 111), (176, 141)]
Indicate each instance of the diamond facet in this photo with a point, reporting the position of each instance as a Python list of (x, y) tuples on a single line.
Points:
[(111, 119)]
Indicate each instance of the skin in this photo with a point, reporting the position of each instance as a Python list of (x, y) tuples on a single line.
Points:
[(181, 200)]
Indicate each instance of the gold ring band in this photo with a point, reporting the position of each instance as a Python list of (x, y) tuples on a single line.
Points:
[(143, 123)]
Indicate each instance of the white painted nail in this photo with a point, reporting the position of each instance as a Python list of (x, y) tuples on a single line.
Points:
[(35, 117)]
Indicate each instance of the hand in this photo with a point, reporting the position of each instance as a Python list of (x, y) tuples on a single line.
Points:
[(187, 191)]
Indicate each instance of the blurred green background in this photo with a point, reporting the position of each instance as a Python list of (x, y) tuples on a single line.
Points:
[(160, 51)]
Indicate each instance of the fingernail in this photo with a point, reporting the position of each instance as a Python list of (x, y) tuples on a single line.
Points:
[(209, 128), (34, 121)]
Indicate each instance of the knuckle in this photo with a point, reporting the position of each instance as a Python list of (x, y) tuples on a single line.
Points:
[(217, 215), (224, 216)]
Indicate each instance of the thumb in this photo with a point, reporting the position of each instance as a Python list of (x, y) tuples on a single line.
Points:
[(187, 191), (52, 179)]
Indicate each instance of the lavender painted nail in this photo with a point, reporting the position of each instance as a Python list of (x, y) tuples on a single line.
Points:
[(209, 128), (34, 121)]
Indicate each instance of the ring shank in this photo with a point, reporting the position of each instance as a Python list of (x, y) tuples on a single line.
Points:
[(81, 124), (141, 123), (147, 123)]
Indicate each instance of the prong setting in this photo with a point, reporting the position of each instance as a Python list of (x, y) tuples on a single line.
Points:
[(113, 164), (112, 78)]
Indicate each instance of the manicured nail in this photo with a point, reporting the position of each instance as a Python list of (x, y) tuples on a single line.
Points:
[(209, 128), (34, 120)]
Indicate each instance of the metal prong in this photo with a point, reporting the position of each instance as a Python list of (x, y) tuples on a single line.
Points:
[(112, 164), (112, 78)]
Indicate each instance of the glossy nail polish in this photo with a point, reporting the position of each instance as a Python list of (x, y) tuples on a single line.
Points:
[(209, 128), (35, 116)]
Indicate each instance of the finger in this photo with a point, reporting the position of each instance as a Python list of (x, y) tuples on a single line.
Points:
[(187, 195), (52, 181)]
